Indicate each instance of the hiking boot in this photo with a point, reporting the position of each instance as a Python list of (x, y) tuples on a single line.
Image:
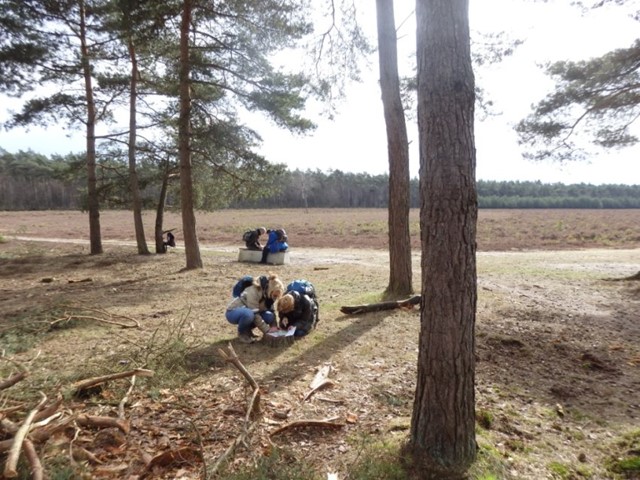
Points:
[(261, 324), (245, 338)]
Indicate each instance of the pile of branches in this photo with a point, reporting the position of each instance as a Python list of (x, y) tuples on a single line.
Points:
[(24, 428), (27, 428)]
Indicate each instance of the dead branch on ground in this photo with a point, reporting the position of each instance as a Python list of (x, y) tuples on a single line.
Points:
[(125, 399), (37, 472), (16, 377), (92, 382), (326, 423), (377, 307), (103, 422), (319, 381), (10, 467), (252, 408)]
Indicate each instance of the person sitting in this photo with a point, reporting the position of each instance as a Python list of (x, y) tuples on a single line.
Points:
[(277, 242), (297, 310), (252, 238), (169, 242), (253, 307)]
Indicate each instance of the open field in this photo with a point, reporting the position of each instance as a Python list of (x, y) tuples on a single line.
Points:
[(558, 345), (362, 228)]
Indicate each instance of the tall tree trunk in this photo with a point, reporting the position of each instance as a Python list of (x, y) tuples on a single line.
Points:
[(191, 247), (400, 272), (442, 439), (95, 236), (162, 200), (133, 174)]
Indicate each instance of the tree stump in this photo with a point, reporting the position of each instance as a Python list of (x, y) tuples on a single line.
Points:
[(277, 341)]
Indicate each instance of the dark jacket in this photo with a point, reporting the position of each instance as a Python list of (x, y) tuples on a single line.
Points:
[(253, 241), (303, 316)]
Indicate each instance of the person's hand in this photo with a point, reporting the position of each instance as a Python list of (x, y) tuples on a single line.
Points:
[(273, 329), (284, 321)]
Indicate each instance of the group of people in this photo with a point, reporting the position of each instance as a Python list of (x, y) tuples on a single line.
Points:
[(276, 241), (265, 304)]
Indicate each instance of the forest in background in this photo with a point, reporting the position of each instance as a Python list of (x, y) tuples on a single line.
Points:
[(31, 181)]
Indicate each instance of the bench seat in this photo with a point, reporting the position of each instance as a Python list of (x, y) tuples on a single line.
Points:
[(254, 256)]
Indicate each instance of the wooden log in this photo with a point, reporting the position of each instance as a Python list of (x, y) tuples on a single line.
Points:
[(103, 422), (92, 382), (377, 307)]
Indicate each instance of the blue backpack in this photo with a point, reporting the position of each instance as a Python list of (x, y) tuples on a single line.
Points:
[(247, 281), (303, 287)]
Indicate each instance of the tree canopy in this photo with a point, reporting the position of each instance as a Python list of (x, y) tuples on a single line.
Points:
[(595, 100)]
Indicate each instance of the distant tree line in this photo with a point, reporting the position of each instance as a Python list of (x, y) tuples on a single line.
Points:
[(31, 181)]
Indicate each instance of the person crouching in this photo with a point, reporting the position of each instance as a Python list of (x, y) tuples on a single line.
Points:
[(297, 310), (252, 309)]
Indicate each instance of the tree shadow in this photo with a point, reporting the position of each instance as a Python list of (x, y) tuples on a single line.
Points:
[(249, 354)]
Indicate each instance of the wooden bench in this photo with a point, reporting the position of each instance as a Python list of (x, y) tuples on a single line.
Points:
[(255, 256)]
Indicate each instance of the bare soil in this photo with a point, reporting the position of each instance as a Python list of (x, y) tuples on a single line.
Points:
[(558, 330)]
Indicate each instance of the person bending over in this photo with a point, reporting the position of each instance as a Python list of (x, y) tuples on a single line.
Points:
[(277, 242), (252, 308), (252, 238), (297, 310)]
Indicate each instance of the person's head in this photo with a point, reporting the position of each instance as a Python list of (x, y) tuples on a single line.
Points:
[(285, 304), (261, 230), (275, 287)]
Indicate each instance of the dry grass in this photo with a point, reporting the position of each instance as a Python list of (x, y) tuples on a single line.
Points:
[(557, 378)]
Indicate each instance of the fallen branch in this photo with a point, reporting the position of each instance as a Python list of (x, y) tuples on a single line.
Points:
[(92, 382), (376, 307), (180, 456), (37, 472), (254, 404), (232, 357), (49, 411), (103, 422), (10, 467), (16, 377), (13, 379), (327, 423), (42, 434), (319, 381), (125, 399)]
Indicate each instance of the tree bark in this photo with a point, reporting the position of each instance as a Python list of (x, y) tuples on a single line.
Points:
[(400, 272), (95, 236), (191, 247), (141, 242), (442, 441), (162, 200)]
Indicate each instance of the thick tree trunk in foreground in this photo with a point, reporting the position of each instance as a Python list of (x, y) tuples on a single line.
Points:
[(400, 272), (191, 247), (442, 440)]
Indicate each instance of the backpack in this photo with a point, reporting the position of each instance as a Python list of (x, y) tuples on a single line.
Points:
[(246, 236), (303, 287), (281, 235), (247, 281)]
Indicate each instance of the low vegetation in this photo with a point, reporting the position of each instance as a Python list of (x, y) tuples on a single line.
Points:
[(557, 362)]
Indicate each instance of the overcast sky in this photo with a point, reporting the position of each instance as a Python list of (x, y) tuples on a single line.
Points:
[(355, 140)]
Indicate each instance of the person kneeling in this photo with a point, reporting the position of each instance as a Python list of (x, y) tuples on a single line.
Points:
[(253, 308), (297, 310)]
